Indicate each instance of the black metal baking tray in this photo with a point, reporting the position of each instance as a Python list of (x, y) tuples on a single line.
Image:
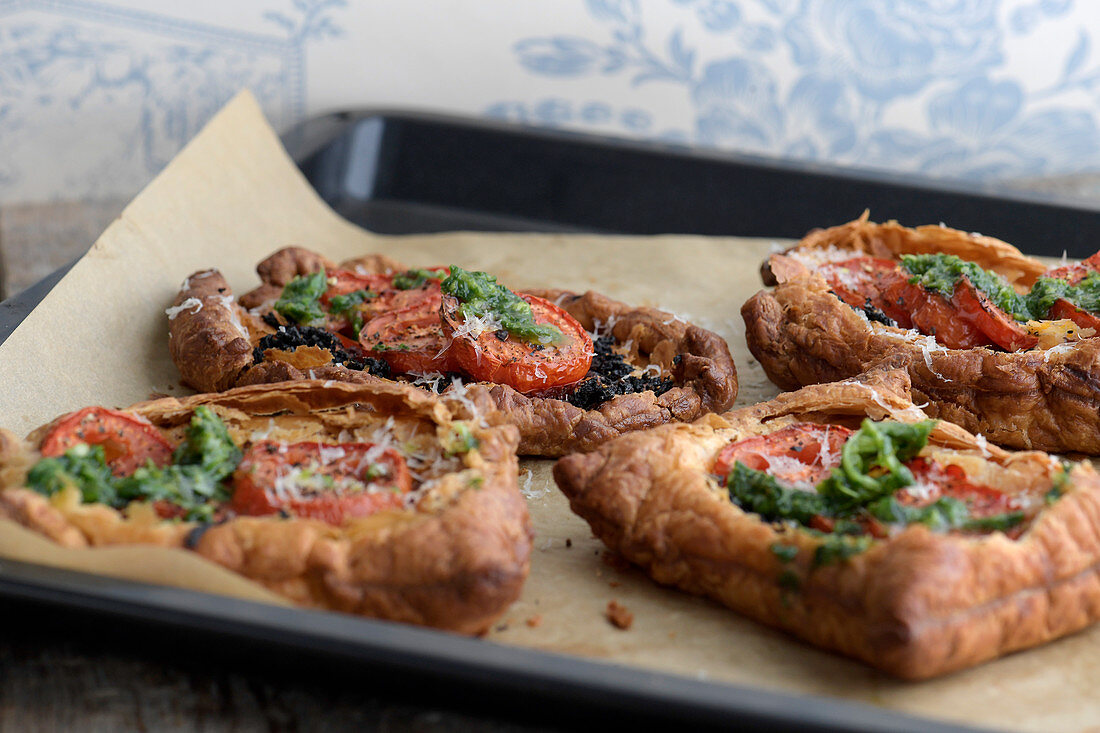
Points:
[(401, 173)]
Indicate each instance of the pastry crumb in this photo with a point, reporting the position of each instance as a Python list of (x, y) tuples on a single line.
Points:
[(535, 621), (619, 616), (568, 542)]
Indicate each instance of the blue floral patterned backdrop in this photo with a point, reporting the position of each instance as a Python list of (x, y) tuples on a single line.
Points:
[(915, 85), (95, 97)]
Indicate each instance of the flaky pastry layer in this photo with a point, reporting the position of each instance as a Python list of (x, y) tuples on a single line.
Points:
[(803, 334), (917, 604), (455, 558), (212, 348)]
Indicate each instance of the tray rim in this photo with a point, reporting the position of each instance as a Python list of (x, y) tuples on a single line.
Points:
[(471, 661), (294, 138)]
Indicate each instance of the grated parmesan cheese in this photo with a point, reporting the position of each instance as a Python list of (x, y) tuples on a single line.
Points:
[(1061, 348), (922, 491), (458, 391), (532, 493), (258, 435), (428, 380), (474, 326), (926, 344), (235, 320), (175, 310), (825, 457), (330, 453), (603, 328), (814, 258)]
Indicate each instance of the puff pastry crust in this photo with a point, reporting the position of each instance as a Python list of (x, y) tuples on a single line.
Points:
[(916, 605), (803, 334), (454, 558), (212, 344)]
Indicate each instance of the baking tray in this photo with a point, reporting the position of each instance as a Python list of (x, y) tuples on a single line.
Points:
[(400, 173), (406, 173)]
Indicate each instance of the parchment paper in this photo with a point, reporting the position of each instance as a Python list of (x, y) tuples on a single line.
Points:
[(232, 196)]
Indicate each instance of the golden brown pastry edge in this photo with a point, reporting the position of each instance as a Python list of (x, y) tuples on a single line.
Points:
[(211, 356), (917, 605), (457, 568)]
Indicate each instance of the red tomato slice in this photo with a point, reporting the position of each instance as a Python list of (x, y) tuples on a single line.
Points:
[(860, 280), (951, 480), (128, 441), (1075, 273), (342, 282), (386, 299), (496, 356), (933, 314), (1063, 308), (804, 452), (410, 340), (975, 307), (327, 482), (394, 299)]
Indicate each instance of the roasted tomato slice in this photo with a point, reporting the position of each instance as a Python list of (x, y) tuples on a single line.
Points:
[(861, 281), (320, 481), (975, 307), (1063, 308), (392, 298), (1075, 273), (410, 340), (128, 441), (933, 314), (935, 480), (342, 282), (800, 453), (497, 356)]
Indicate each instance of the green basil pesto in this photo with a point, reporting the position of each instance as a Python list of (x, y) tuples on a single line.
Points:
[(870, 473), (757, 492), (1084, 294), (481, 296), (193, 481), (412, 279), (835, 548), (300, 301), (348, 306), (342, 305), (939, 273)]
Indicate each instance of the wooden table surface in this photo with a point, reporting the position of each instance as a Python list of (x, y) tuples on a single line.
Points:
[(57, 673)]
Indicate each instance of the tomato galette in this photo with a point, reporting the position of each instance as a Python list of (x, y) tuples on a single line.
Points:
[(364, 498), (993, 340), (841, 514), (570, 371)]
